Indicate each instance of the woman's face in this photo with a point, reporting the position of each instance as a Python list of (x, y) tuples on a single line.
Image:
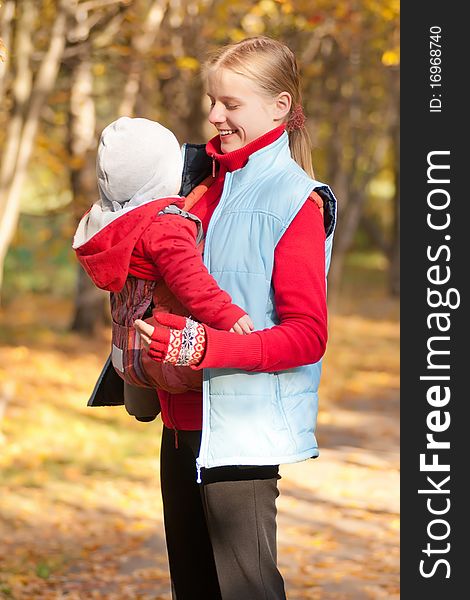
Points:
[(238, 111)]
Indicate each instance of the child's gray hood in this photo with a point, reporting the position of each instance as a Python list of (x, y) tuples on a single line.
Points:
[(138, 161)]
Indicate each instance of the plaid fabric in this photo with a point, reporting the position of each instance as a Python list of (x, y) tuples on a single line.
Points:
[(132, 301), (126, 306)]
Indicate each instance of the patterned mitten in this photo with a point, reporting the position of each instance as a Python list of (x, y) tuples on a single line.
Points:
[(181, 341)]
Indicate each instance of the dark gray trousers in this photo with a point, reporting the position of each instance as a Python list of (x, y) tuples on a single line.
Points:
[(221, 534)]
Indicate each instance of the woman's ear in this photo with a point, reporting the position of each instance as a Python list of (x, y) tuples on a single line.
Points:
[(282, 105)]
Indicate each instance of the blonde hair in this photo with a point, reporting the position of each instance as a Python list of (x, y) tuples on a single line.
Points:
[(272, 66)]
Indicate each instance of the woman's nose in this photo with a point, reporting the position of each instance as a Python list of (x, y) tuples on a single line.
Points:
[(216, 115)]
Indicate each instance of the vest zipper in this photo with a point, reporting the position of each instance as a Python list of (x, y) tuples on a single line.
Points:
[(198, 468)]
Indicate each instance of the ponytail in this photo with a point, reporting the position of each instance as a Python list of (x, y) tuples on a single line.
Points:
[(300, 149)]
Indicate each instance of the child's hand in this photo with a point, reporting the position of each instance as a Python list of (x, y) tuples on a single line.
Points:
[(244, 325), (146, 331)]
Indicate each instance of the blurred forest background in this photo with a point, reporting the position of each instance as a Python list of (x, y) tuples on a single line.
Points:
[(67, 69)]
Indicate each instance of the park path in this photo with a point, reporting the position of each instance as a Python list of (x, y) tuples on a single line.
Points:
[(339, 514), (80, 506), (338, 518)]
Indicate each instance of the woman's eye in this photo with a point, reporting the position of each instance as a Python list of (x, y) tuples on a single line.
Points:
[(227, 106)]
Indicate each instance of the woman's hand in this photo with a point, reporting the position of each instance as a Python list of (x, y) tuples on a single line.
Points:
[(176, 340)]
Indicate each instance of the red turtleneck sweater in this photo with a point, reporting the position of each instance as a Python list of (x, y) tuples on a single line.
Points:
[(300, 297)]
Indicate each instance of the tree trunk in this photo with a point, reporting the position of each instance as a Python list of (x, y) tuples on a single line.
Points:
[(82, 132), (89, 308), (21, 90), (394, 272), (346, 230), (7, 12), (29, 99)]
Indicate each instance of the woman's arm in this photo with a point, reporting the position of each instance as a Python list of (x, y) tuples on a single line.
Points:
[(300, 300)]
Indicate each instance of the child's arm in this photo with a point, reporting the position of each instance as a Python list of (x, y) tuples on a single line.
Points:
[(300, 300), (243, 325), (170, 242)]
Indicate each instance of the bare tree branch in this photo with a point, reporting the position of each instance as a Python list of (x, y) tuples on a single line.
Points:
[(141, 44), (97, 4), (104, 36)]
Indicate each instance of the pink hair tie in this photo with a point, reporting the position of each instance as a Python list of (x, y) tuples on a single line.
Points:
[(296, 119)]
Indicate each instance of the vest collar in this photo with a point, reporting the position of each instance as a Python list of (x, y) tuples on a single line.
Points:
[(274, 156)]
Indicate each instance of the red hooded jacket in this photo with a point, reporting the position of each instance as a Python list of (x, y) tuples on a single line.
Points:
[(142, 243)]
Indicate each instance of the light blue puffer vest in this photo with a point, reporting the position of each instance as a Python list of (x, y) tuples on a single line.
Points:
[(259, 418)]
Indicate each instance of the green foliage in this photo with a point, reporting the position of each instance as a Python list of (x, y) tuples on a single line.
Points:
[(6, 590), (41, 257), (43, 570)]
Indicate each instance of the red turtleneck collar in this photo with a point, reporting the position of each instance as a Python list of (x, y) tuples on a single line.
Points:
[(238, 158)]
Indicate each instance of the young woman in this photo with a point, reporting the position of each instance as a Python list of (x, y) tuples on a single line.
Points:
[(269, 227)]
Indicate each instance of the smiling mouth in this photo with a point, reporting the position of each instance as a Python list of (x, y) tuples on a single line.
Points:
[(225, 132)]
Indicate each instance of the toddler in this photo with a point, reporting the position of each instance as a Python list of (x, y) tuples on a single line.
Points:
[(139, 243)]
